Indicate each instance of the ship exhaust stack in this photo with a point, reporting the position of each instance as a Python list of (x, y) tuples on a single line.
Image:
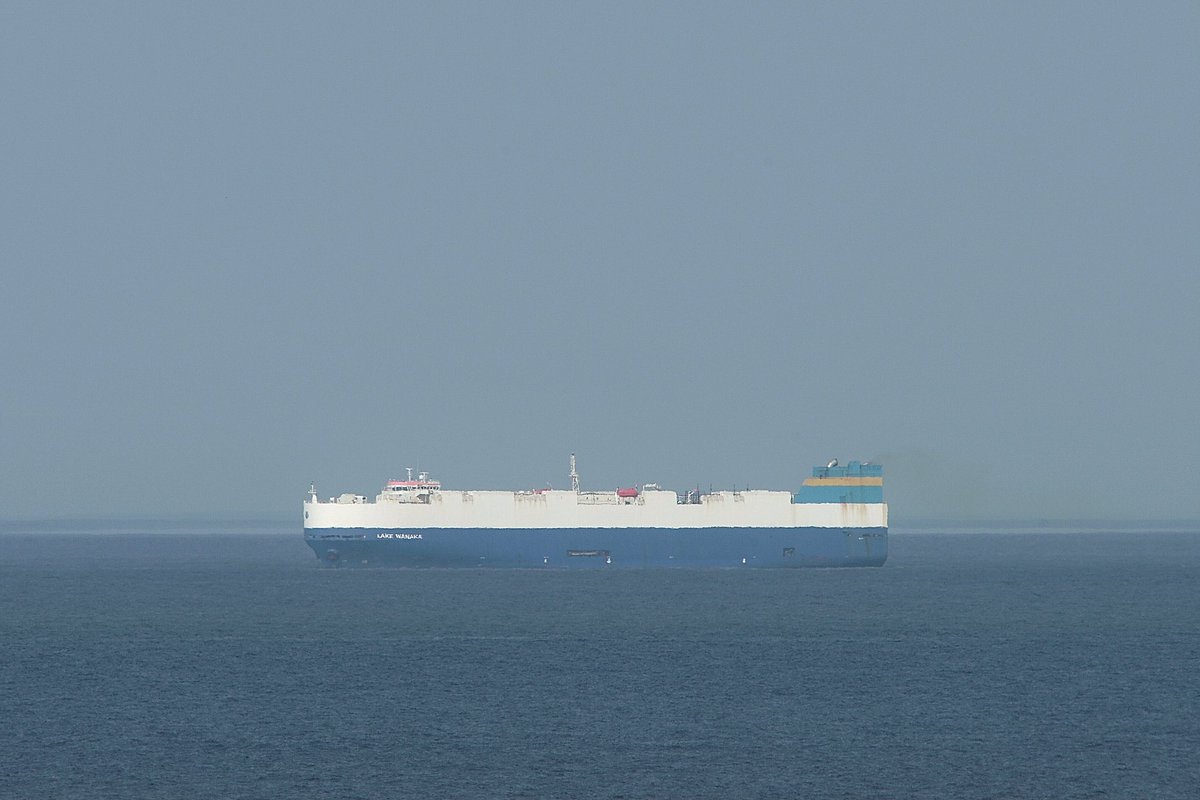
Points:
[(574, 476)]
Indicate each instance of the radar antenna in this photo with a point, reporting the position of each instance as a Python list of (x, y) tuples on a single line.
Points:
[(574, 476)]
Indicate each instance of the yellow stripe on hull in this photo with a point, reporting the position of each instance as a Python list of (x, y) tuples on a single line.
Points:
[(843, 481)]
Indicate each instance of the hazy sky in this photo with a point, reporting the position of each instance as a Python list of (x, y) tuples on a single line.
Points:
[(247, 246)]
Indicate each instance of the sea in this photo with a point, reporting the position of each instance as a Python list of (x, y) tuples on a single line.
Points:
[(217, 659)]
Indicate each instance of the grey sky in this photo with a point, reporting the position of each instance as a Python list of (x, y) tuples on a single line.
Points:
[(246, 246)]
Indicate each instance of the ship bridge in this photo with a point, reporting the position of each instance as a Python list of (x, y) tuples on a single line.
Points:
[(410, 490)]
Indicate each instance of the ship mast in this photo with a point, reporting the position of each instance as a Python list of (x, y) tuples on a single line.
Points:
[(574, 476)]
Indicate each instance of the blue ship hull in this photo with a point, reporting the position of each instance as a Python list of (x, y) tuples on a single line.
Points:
[(600, 547)]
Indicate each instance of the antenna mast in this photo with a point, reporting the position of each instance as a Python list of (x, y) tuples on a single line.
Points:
[(574, 476)]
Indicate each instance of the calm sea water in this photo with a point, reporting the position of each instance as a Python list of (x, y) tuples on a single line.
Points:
[(145, 661)]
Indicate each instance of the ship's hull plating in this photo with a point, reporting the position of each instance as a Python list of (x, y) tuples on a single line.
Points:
[(600, 547)]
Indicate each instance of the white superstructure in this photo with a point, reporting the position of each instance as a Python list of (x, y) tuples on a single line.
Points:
[(419, 503)]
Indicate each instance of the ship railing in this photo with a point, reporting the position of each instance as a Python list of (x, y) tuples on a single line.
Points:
[(597, 498)]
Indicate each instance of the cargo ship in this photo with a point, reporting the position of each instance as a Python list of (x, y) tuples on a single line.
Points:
[(837, 518)]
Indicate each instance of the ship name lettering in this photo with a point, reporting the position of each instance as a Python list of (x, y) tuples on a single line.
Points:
[(398, 536)]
